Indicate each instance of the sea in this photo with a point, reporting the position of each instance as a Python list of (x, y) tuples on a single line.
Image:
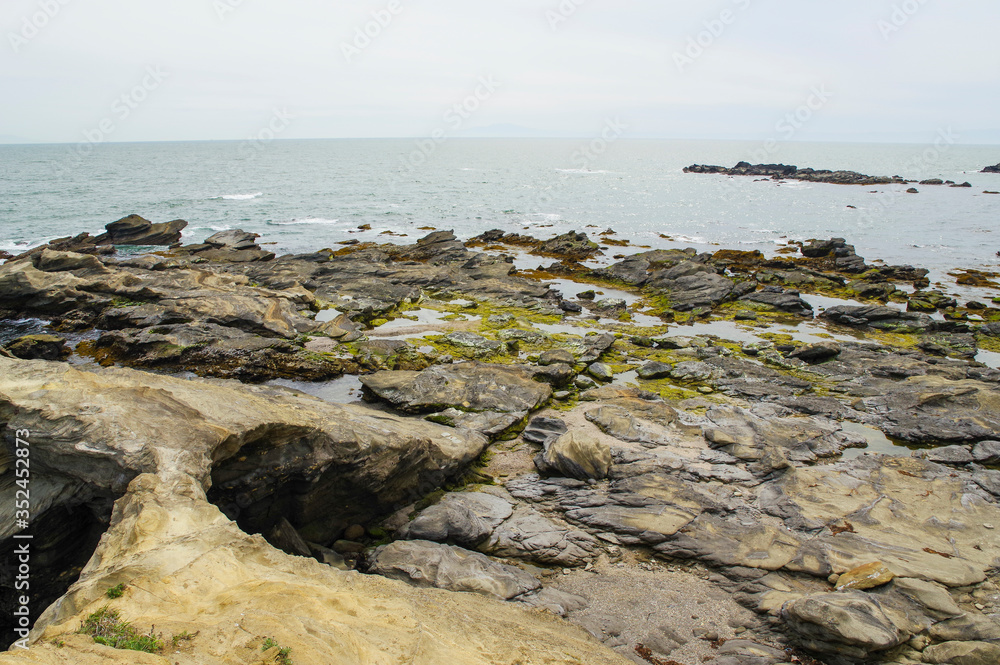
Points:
[(304, 195)]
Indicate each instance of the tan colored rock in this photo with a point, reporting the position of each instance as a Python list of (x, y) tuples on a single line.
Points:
[(864, 577), (577, 455)]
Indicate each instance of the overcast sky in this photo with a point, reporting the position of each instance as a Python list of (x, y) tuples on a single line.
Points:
[(220, 69)]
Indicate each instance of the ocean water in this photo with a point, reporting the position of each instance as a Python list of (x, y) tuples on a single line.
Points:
[(306, 195)]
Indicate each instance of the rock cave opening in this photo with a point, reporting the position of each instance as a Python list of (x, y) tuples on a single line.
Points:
[(63, 539)]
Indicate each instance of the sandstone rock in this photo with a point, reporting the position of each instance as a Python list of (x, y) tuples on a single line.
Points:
[(963, 653), (427, 564), (847, 624), (576, 455), (465, 386), (202, 576), (544, 431), (134, 230), (865, 577), (235, 240), (528, 535), (966, 628), (466, 518)]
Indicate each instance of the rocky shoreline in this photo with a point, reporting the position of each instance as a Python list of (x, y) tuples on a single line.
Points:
[(786, 172), (676, 457)]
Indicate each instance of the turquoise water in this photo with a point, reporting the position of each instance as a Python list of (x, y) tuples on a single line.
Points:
[(304, 195)]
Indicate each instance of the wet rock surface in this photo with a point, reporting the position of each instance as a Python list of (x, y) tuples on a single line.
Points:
[(674, 492)]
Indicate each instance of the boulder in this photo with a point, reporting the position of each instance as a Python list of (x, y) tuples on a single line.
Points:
[(465, 518), (426, 564), (576, 455), (571, 246), (556, 356), (947, 455), (701, 289), (529, 535), (865, 577), (134, 230), (963, 653), (848, 624), (781, 300), (234, 240), (466, 386), (654, 370), (39, 347), (987, 452), (991, 169), (816, 353), (601, 371)]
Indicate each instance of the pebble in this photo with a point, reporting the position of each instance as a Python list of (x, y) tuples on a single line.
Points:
[(989, 526), (980, 607)]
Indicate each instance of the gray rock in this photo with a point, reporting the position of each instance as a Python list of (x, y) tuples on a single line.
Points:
[(947, 455), (465, 386), (963, 653), (989, 481), (844, 624), (134, 230), (556, 356), (816, 353), (235, 239), (557, 602), (655, 370), (689, 291), (987, 452), (39, 347), (779, 299), (466, 518), (528, 535), (477, 344), (426, 564), (544, 431), (576, 455), (601, 372)]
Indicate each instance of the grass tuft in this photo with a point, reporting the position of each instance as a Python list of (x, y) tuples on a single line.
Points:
[(107, 627)]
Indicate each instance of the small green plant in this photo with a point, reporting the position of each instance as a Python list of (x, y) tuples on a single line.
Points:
[(282, 656), (107, 627), (116, 591), (183, 637)]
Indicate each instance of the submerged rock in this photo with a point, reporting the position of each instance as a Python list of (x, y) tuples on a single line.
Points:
[(39, 347)]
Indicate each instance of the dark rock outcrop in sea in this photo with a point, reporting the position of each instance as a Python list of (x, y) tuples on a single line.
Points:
[(785, 172), (992, 169)]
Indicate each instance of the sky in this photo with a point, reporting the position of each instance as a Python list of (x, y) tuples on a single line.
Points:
[(149, 70)]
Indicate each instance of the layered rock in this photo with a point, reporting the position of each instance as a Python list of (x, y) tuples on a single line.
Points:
[(785, 172), (134, 230)]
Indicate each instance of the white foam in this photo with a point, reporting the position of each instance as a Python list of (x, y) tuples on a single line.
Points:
[(546, 217), (309, 220), (585, 171), (237, 197)]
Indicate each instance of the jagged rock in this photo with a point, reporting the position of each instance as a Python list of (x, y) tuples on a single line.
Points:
[(700, 289), (465, 518), (556, 356), (601, 372), (573, 246), (783, 171), (39, 347), (134, 230), (479, 346), (557, 602), (816, 353), (948, 455), (200, 575), (987, 452), (576, 455), (426, 564), (465, 386), (991, 169), (966, 628), (624, 425), (848, 624), (963, 653), (654, 370), (880, 317), (780, 299), (284, 536), (989, 481), (544, 430), (487, 423), (235, 239), (558, 375), (528, 535)]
